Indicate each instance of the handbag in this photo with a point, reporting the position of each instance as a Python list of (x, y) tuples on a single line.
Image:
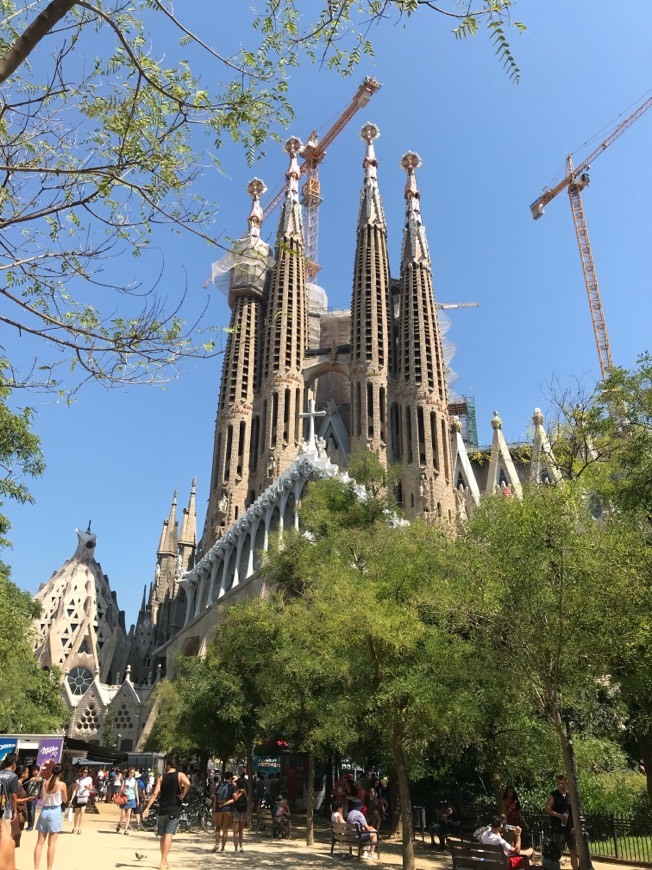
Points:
[(120, 800)]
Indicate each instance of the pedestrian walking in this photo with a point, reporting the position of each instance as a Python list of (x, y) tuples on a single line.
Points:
[(81, 794), (49, 825), (131, 791), (170, 789)]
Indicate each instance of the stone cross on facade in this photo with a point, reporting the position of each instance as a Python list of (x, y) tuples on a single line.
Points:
[(312, 444)]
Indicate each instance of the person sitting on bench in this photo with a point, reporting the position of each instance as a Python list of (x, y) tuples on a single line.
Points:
[(517, 858), (355, 819)]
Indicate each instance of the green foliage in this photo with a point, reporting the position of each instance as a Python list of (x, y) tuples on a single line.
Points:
[(30, 698), (20, 453), (90, 167), (622, 792)]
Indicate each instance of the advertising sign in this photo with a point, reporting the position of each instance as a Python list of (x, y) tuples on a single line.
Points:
[(49, 749), (7, 745)]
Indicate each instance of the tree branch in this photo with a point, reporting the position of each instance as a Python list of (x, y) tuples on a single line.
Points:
[(33, 34)]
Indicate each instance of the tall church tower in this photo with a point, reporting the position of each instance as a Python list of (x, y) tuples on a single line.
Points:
[(166, 561), (235, 448), (420, 418), (285, 341), (370, 314), (188, 536)]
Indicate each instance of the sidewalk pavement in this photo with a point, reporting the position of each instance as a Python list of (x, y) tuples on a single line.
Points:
[(100, 848)]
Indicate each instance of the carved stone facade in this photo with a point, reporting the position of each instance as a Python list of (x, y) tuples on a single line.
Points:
[(81, 631)]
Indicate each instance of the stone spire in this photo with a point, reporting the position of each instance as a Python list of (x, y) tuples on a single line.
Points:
[(236, 434), (419, 418), (502, 476), (285, 341), (370, 313), (168, 542), (543, 466), (188, 535), (291, 222)]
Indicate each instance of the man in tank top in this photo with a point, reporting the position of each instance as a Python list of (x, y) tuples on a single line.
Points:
[(170, 790)]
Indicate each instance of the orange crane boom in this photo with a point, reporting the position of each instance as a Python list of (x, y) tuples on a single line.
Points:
[(312, 154), (576, 179)]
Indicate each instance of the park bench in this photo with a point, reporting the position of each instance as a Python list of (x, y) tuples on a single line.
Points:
[(351, 837), (467, 855)]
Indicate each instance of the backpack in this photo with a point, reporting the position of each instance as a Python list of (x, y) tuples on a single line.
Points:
[(4, 795), (224, 792)]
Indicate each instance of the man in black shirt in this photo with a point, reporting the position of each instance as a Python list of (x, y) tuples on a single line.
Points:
[(170, 789), (562, 828)]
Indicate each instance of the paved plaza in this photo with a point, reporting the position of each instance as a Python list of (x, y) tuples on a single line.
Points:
[(100, 848)]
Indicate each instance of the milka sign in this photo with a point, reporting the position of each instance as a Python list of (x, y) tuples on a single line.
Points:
[(49, 749)]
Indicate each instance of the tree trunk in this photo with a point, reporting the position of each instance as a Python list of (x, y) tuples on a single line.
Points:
[(644, 742), (583, 853), (203, 766), (310, 802), (250, 784), (497, 784), (406, 801), (395, 827)]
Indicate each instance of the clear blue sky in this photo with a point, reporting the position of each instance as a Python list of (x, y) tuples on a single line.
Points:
[(488, 148)]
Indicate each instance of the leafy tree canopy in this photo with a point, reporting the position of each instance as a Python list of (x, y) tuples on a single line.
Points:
[(30, 698), (104, 140)]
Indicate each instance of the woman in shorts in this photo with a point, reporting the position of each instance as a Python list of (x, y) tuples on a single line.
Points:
[(81, 794), (239, 813), (130, 791), (49, 826)]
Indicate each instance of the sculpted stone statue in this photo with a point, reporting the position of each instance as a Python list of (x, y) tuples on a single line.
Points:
[(321, 448), (271, 467), (223, 503)]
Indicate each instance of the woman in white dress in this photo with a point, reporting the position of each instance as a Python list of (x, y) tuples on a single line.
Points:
[(53, 795)]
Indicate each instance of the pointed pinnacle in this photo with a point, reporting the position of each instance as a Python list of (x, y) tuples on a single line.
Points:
[(410, 162), (256, 188), (369, 134), (293, 146)]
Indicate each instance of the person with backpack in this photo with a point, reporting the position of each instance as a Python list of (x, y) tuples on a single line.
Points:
[(223, 810), (240, 803)]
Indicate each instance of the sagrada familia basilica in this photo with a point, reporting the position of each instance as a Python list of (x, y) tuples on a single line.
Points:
[(302, 388)]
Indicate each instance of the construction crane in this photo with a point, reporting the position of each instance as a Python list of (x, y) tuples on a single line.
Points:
[(577, 178), (312, 155), (448, 306)]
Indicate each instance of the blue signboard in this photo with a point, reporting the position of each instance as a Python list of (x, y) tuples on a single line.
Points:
[(7, 745)]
